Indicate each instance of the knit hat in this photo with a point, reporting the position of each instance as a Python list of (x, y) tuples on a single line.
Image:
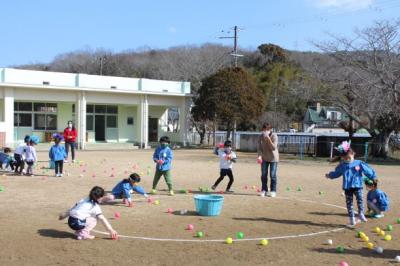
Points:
[(57, 136), (343, 148), (34, 139)]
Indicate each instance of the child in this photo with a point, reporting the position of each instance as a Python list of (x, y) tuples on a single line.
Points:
[(162, 157), (30, 153), (57, 154), (123, 190), (377, 200), (7, 159), (84, 215), (352, 172), (226, 159), (19, 154)]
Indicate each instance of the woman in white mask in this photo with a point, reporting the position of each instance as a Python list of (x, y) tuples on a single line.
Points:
[(268, 157), (70, 134)]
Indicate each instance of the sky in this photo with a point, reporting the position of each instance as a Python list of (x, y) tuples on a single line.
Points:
[(37, 31)]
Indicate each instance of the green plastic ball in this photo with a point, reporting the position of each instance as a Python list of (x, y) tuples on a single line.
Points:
[(340, 249), (239, 235)]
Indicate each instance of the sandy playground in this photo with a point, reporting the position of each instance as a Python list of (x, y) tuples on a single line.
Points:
[(297, 223)]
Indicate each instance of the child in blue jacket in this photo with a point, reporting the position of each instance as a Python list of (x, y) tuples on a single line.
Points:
[(123, 190), (352, 172), (57, 154), (163, 157), (377, 200)]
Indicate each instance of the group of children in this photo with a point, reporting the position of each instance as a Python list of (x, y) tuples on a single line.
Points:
[(24, 153), (355, 174), (82, 216)]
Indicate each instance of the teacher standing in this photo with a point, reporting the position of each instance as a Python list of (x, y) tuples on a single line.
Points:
[(268, 156), (70, 134)]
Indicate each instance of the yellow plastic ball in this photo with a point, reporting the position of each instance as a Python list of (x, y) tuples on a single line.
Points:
[(156, 202), (388, 237), (264, 242), (370, 245), (365, 239), (229, 240), (377, 230), (382, 233)]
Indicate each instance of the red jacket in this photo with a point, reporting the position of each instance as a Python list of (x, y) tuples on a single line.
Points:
[(70, 135)]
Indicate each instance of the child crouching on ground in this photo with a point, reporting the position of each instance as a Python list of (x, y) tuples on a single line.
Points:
[(226, 159), (7, 160), (377, 200), (84, 215), (352, 172), (57, 154), (123, 190)]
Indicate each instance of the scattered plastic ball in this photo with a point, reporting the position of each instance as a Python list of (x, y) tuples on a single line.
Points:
[(388, 237), (114, 237), (365, 238), (389, 227), (1, 188), (340, 249), (264, 242), (299, 189), (117, 215), (343, 263), (156, 202), (370, 245), (190, 227), (361, 234), (288, 189), (150, 200), (377, 230), (321, 193), (170, 210), (398, 220), (246, 187), (229, 240), (329, 242), (153, 191), (199, 234), (382, 233), (397, 258), (379, 250), (239, 235), (183, 212)]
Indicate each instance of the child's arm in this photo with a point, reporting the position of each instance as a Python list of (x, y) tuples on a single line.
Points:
[(233, 157), (51, 154), (127, 191), (216, 150), (335, 174), (63, 215), (368, 171), (107, 225), (139, 190), (155, 155)]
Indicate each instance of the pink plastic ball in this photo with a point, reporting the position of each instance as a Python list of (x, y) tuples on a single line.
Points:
[(343, 263), (170, 210), (190, 227), (117, 215)]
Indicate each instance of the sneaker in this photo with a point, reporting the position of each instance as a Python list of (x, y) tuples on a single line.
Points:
[(213, 187), (262, 194), (153, 191), (272, 194), (171, 192), (57, 175), (74, 161), (352, 222), (60, 175), (362, 218), (83, 235), (65, 161), (380, 215), (229, 191), (268, 194)]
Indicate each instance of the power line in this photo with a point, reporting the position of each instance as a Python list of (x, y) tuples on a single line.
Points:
[(235, 44)]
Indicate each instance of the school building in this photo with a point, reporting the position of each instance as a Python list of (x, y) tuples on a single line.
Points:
[(104, 109)]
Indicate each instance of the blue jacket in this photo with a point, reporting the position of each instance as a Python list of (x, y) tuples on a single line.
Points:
[(353, 173), (123, 188), (164, 154), (379, 198), (57, 153)]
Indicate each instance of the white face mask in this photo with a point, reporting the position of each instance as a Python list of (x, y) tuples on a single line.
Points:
[(70, 125), (266, 133)]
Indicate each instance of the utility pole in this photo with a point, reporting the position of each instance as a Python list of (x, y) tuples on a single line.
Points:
[(101, 64), (235, 60)]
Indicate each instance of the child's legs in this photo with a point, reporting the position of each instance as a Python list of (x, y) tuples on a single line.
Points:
[(360, 202), (157, 176), (373, 207), (107, 198), (56, 167), (272, 173), (168, 178), (264, 175), (222, 174), (349, 202), (61, 166), (90, 224), (230, 175), (29, 169)]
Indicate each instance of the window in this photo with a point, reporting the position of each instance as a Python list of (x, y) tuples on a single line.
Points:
[(73, 108), (100, 109), (39, 107), (112, 109), (40, 121), (24, 120), (51, 122), (129, 121), (111, 121), (89, 122), (22, 106), (89, 108)]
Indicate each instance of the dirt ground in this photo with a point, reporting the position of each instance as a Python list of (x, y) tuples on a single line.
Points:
[(32, 235)]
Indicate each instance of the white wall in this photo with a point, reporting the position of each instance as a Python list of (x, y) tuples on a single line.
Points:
[(127, 133), (43, 95), (161, 86), (110, 98), (18, 76), (106, 82)]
